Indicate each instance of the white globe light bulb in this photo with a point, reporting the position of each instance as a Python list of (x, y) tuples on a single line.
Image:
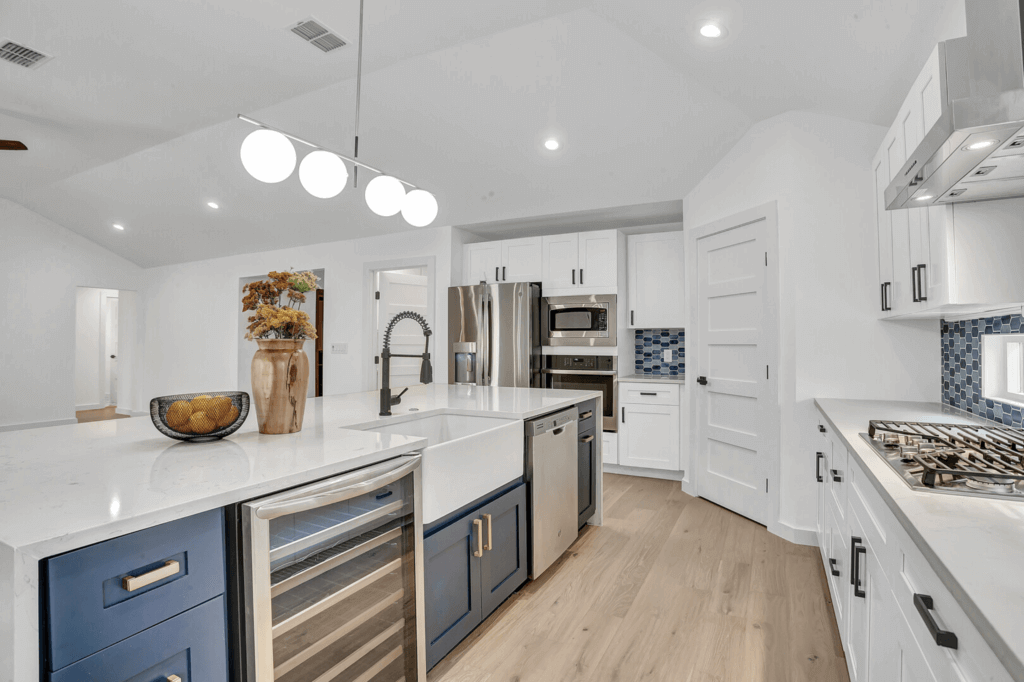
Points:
[(385, 195), (419, 208), (323, 174), (268, 155)]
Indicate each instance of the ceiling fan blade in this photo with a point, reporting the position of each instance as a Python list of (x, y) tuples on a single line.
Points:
[(12, 146)]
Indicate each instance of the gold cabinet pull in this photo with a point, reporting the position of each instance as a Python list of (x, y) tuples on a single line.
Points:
[(134, 582), (489, 545), (173, 678), (587, 439), (587, 415), (478, 529)]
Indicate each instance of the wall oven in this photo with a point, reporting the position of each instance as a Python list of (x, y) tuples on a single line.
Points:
[(332, 578), (579, 320), (586, 373)]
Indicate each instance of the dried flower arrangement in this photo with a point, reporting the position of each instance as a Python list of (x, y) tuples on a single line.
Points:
[(272, 319)]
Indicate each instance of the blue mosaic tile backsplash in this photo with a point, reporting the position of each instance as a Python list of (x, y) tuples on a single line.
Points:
[(961, 367), (650, 343)]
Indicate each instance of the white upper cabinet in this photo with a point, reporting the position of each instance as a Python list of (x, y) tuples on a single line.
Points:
[(656, 281), (521, 260), (599, 266), (939, 260), (561, 261), (482, 263)]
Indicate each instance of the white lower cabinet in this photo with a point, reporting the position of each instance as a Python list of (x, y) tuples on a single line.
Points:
[(877, 576), (649, 422), (609, 448)]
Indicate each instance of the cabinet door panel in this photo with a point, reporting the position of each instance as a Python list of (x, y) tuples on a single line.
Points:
[(561, 257), (839, 553), (521, 260), (451, 587), (503, 568), (883, 223), (598, 259), (585, 476), (651, 437), (482, 263), (656, 281)]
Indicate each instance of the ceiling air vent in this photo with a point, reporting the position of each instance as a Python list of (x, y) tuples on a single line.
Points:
[(314, 32), (11, 51)]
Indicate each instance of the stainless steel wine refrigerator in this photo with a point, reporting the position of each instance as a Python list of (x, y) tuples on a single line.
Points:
[(330, 582)]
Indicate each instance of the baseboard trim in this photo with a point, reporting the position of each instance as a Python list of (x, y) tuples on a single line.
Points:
[(798, 536), (90, 406), (130, 413), (644, 473), (37, 425)]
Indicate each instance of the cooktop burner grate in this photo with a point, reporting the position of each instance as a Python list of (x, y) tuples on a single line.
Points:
[(987, 459)]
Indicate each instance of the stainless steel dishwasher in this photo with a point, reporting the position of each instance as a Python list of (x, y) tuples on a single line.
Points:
[(551, 470)]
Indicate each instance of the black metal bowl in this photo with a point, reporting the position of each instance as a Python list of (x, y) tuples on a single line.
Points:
[(199, 417)]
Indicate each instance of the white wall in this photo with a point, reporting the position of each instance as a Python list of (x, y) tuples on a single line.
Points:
[(191, 311), (818, 169), (43, 264)]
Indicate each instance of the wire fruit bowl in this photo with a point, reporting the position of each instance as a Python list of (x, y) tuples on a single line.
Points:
[(199, 417)]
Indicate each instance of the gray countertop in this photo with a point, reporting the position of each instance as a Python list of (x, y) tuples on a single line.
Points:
[(974, 544), (653, 379)]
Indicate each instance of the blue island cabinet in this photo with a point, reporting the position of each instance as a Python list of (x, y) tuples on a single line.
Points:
[(471, 566), (141, 607)]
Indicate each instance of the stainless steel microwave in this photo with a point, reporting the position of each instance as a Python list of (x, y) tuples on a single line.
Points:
[(579, 320)]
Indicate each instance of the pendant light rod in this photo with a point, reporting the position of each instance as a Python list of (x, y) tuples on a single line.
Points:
[(359, 93), (351, 160)]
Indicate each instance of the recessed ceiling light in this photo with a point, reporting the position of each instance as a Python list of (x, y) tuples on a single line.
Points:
[(552, 144), (711, 31), (213, 204), (926, 197), (118, 227), (984, 144)]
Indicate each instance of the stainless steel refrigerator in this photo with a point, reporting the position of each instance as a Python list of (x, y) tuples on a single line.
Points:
[(494, 335)]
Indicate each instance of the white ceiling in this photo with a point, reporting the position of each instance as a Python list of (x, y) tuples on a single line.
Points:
[(134, 119)]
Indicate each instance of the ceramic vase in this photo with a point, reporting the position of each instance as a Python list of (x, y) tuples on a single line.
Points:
[(280, 377)]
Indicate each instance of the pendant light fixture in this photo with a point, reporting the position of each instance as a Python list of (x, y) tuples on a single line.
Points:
[(269, 156)]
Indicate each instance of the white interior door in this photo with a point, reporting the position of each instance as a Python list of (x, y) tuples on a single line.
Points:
[(400, 292), (111, 348), (734, 436)]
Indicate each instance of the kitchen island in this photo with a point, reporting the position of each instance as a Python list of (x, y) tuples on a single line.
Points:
[(67, 487)]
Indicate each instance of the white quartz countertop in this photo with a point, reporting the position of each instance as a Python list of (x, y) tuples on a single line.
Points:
[(66, 487), (974, 544), (653, 379)]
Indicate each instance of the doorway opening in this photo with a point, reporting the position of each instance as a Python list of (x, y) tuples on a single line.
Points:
[(104, 347), (397, 288), (314, 306)]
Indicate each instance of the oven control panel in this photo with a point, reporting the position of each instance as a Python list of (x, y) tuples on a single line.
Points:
[(591, 363)]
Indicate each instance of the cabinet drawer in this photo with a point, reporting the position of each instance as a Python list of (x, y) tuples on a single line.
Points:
[(879, 524), (192, 646), (588, 415), (90, 609), (972, 659), (648, 394)]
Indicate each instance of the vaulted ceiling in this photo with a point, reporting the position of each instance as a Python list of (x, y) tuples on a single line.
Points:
[(133, 121)]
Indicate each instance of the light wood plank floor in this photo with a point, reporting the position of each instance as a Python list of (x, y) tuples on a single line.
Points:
[(99, 415), (671, 588)]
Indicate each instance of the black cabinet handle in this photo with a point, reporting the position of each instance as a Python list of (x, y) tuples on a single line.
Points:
[(817, 467), (836, 478), (888, 307), (623, 415), (913, 285), (854, 541), (504, 277), (632, 317), (496, 278), (642, 393), (922, 295), (832, 567), (857, 591), (924, 605), (581, 276), (703, 381), (574, 276)]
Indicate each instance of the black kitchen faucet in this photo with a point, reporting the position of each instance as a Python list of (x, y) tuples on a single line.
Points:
[(426, 372)]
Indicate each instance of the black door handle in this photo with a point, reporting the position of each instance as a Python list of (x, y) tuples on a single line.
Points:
[(703, 381), (113, 357), (821, 428), (836, 478), (832, 567), (857, 591), (817, 467), (854, 541), (924, 605)]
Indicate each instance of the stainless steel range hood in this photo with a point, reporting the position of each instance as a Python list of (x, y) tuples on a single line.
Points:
[(975, 150)]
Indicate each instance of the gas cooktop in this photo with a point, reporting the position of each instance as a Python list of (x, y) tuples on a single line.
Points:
[(962, 459)]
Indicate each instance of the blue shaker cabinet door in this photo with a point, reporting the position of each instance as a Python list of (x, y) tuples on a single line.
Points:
[(503, 568), (452, 587), (192, 646), (88, 607)]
